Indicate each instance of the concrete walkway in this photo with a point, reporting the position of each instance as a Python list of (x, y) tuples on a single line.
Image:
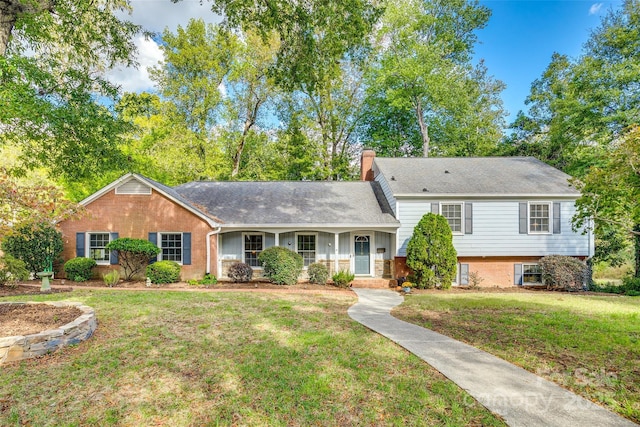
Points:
[(518, 396)]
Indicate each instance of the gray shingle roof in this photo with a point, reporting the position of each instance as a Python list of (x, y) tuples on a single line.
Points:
[(474, 176), (276, 203)]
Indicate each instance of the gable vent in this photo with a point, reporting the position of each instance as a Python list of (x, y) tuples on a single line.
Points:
[(133, 186)]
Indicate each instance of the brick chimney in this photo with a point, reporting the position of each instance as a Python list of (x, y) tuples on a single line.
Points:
[(366, 164)]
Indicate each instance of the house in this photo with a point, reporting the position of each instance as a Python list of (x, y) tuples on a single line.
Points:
[(505, 213)]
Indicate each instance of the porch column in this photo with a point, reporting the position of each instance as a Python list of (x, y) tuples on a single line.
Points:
[(277, 239), (336, 244)]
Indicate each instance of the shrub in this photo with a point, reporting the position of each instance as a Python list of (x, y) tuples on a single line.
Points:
[(163, 272), (111, 278), (12, 270), (208, 280), (133, 254), (281, 265), (430, 253), (79, 269), (342, 278), (564, 273), (240, 272), (37, 245), (318, 273)]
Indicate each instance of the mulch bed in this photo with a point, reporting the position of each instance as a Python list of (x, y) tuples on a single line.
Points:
[(27, 319)]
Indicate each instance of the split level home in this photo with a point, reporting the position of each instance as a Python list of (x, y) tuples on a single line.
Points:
[(505, 214)]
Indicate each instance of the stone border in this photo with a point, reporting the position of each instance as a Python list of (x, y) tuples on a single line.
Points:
[(29, 346)]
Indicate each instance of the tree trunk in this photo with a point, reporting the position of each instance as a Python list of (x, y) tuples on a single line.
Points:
[(9, 12), (424, 129), (636, 247), (252, 114)]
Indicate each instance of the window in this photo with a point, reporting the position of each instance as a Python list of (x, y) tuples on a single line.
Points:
[(531, 273), (97, 251), (306, 246), (453, 214), (539, 217), (253, 245), (171, 246)]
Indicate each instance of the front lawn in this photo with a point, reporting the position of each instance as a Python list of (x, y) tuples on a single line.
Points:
[(589, 344), (232, 358)]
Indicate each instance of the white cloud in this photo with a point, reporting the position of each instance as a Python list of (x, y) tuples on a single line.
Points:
[(156, 16), (595, 8), (137, 79)]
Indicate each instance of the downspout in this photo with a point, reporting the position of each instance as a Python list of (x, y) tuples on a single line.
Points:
[(208, 241)]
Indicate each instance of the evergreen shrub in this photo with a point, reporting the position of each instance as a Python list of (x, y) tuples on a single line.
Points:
[(133, 254), (35, 244), (162, 272), (281, 265), (318, 273), (79, 269), (430, 253)]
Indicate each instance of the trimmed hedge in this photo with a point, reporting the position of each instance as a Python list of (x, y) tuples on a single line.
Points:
[(240, 272), (281, 265), (79, 269), (318, 273), (162, 272)]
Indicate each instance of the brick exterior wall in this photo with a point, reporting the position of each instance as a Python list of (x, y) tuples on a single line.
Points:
[(135, 216), (494, 271)]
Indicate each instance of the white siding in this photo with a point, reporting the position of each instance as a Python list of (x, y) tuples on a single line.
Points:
[(496, 232)]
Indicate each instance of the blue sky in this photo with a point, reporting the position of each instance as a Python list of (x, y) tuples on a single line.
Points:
[(521, 36), (516, 45)]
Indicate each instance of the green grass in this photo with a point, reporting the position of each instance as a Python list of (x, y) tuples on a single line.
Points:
[(257, 359), (589, 344)]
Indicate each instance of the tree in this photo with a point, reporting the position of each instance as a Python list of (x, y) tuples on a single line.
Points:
[(53, 55), (430, 253), (38, 245), (610, 194), (424, 71), (133, 254), (31, 203)]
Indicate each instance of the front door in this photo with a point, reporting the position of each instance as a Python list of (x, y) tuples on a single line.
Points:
[(362, 258)]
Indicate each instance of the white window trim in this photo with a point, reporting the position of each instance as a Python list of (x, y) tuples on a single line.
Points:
[(461, 204), (550, 205), (259, 267), (160, 233), (541, 282), (315, 259), (87, 246)]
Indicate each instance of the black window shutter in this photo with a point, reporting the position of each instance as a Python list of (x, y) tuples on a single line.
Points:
[(468, 218), (464, 274), (556, 218), (435, 207), (186, 248), (523, 218), (80, 251), (517, 274), (113, 256), (153, 238)]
